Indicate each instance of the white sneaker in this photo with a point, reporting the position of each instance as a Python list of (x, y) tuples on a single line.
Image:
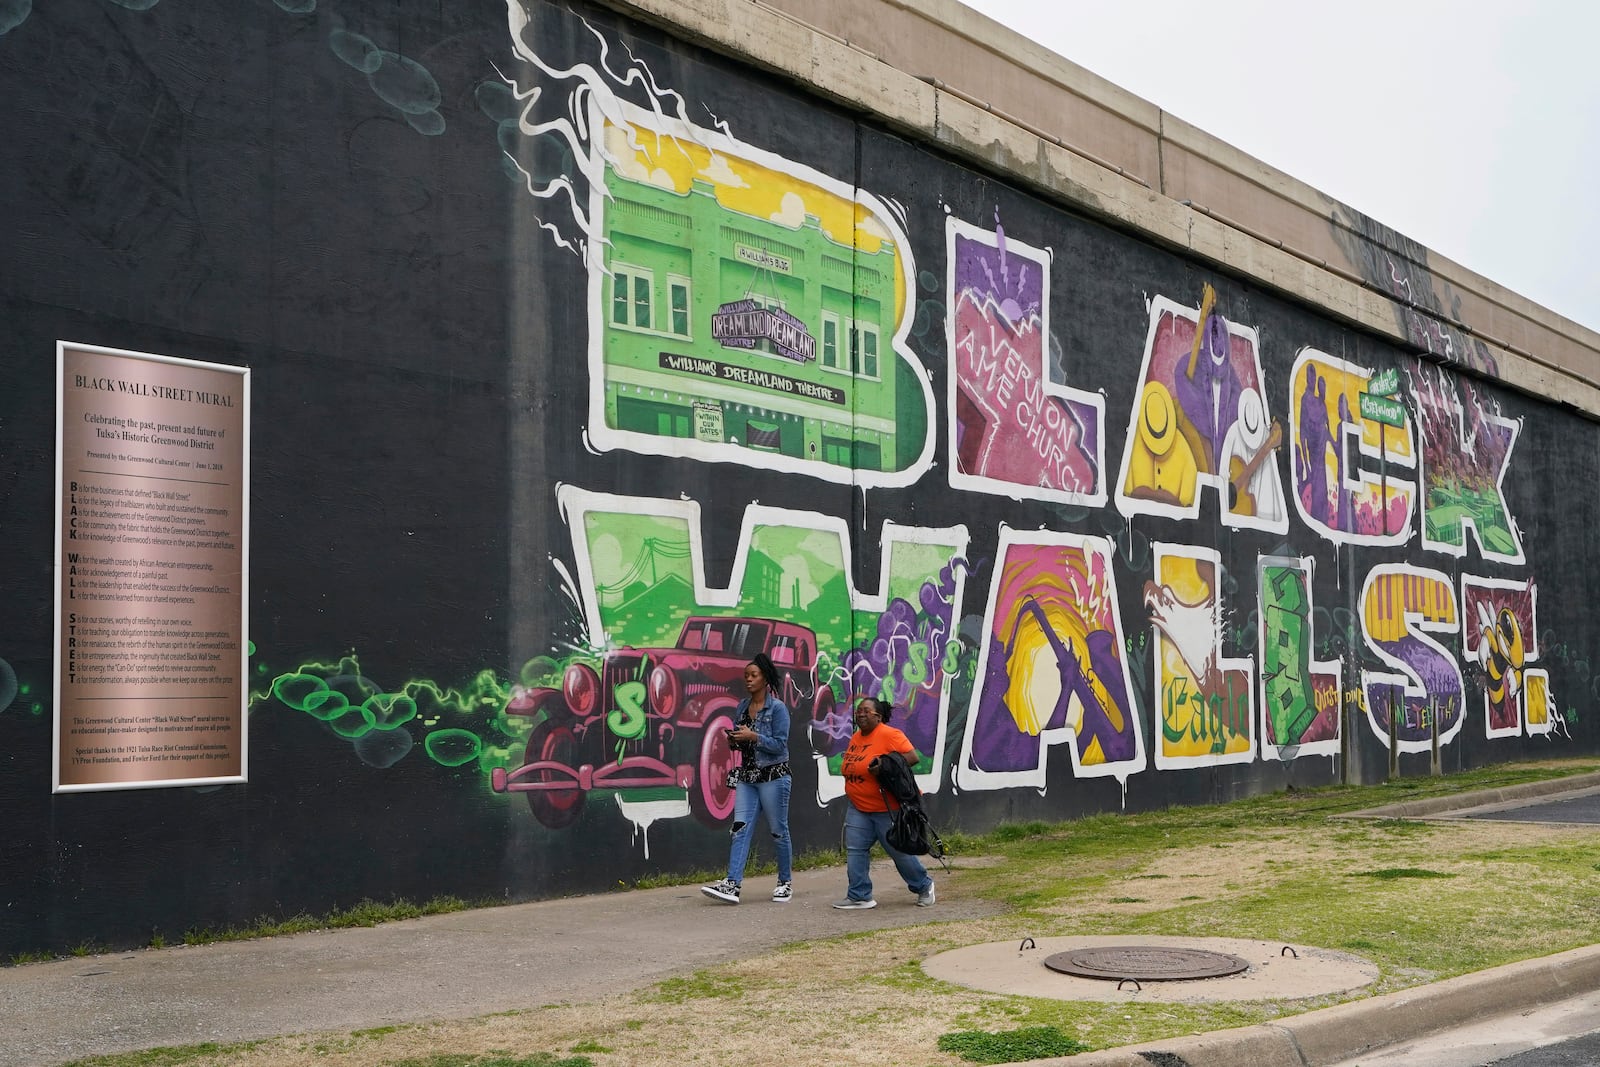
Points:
[(925, 898), (784, 893), (725, 891), (848, 903)]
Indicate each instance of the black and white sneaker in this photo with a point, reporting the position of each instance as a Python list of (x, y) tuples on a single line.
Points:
[(783, 894), (725, 891)]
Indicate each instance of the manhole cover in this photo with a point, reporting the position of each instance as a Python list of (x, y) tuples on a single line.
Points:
[(1145, 963)]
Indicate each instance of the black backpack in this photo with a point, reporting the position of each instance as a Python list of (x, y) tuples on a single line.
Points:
[(909, 829), (910, 832)]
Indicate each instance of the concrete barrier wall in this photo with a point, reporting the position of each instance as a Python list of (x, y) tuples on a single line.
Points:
[(588, 361)]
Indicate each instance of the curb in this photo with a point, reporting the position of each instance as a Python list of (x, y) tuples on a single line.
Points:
[(1330, 1035), (1460, 802)]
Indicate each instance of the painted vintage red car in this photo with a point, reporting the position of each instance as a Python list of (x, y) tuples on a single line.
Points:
[(656, 717)]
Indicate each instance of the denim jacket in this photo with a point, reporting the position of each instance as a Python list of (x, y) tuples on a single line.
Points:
[(772, 730)]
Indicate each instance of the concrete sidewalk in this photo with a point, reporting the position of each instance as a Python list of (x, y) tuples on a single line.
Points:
[(523, 956), (452, 966)]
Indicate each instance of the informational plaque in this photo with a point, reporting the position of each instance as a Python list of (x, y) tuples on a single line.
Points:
[(152, 531)]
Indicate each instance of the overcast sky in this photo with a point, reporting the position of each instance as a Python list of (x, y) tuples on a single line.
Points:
[(1471, 127)]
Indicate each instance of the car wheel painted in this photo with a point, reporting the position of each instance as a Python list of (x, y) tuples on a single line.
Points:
[(822, 711), (556, 743), (709, 796)]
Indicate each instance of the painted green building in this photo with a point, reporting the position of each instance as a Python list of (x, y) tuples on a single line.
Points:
[(727, 328)]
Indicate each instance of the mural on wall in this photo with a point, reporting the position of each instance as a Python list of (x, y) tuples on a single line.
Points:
[(1013, 430), (1421, 696), (1051, 669), (712, 262), (649, 707), (743, 307), (458, 725), (1201, 420), (1500, 635), (1206, 703), (1346, 421), (912, 659), (1300, 696), (1466, 452)]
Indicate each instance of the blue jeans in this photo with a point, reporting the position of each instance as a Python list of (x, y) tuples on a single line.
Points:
[(772, 800), (861, 829)]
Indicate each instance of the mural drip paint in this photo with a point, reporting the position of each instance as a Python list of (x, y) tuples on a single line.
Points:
[(1012, 430), (652, 711), (1051, 670), (1346, 423), (1207, 702), (1201, 420), (645, 813), (1401, 607), (743, 307), (1300, 696), (1499, 635), (1466, 452)]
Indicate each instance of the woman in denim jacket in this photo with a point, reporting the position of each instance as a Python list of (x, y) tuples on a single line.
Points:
[(762, 781)]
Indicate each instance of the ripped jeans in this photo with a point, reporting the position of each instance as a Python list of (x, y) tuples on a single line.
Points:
[(772, 800)]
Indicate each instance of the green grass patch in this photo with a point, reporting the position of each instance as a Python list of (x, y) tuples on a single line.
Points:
[(1028, 1043), (363, 913), (701, 985), (175, 1056), (1389, 874), (1019, 831)]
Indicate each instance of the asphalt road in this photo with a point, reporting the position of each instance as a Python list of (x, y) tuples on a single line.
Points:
[(1563, 1034), (1578, 809), (1579, 1052)]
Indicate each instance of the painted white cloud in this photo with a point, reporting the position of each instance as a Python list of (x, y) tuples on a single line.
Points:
[(720, 172), (627, 162), (873, 228), (791, 211)]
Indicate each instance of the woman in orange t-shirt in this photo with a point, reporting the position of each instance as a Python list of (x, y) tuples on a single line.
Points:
[(867, 819)]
